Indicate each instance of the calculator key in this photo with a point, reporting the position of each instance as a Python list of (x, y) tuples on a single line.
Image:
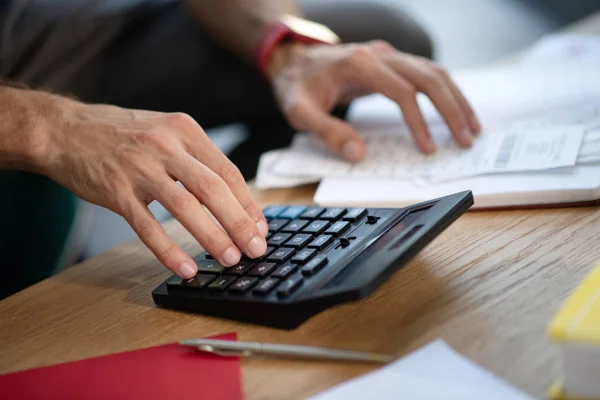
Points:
[(265, 286), (269, 251), (209, 266), (281, 255), (321, 242), (292, 212), (338, 228), (239, 268), (289, 286), (316, 227), (295, 226), (207, 256), (275, 225), (303, 256), (278, 239), (243, 284), (284, 271), (312, 213), (273, 211), (269, 234), (221, 283), (197, 282), (299, 241), (354, 214), (262, 269), (314, 265), (333, 213)]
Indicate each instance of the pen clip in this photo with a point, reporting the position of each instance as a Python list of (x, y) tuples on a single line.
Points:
[(224, 353)]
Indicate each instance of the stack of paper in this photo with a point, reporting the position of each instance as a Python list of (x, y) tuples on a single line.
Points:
[(540, 145)]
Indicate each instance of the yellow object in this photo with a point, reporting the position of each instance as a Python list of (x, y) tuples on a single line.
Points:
[(578, 321), (555, 393)]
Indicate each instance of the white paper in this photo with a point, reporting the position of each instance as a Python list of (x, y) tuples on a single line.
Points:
[(433, 372), (266, 179), (564, 48), (395, 156)]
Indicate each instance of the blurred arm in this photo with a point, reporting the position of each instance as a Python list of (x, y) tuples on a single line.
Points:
[(238, 24)]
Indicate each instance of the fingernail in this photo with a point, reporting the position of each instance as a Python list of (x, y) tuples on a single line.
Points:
[(353, 150), (257, 247), (262, 227), (475, 124), (231, 256), (186, 270)]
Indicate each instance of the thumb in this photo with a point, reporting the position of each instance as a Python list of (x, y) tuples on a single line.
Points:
[(337, 134)]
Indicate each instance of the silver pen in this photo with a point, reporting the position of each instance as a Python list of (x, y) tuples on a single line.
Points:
[(249, 349)]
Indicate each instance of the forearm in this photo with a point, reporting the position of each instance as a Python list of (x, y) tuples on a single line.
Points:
[(26, 118), (239, 24)]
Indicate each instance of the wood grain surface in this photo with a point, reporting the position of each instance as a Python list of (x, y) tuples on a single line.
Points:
[(488, 285)]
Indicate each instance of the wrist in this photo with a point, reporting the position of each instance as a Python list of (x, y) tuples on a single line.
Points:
[(27, 128)]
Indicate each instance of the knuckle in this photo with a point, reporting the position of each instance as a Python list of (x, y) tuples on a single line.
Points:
[(184, 123), (210, 184), (408, 92), (162, 141), (231, 174), (439, 70), (167, 253), (145, 229), (181, 202), (431, 80), (357, 56), (242, 225), (381, 45)]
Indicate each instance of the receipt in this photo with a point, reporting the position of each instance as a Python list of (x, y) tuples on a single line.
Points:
[(395, 156)]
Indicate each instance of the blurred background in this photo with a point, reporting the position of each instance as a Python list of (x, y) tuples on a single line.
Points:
[(466, 34)]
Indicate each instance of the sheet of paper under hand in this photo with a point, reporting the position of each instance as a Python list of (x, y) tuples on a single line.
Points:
[(164, 372), (433, 372), (266, 179)]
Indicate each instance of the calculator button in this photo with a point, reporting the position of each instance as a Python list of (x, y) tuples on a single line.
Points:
[(284, 271), (321, 242), (316, 227), (262, 269), (239, 268), (197, 282), (289, 286), (221, 283), (278, 239), (303, 256), (312, 213), (338, 228), (314, 265), (275, 225), (243, 284), (206, 256), (354, 214), (269, 234), (333, 213), (265, 286), (281, 255), (295, 226), (299, 241), (273, 211), (292, 212), (269, 251), (209, 266)]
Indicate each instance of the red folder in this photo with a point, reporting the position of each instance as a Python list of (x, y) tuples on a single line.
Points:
[(164, 372)]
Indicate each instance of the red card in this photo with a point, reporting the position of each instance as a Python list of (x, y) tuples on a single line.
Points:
[(164, 372)]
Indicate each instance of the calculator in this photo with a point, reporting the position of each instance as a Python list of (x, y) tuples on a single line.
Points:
[(316, 258)]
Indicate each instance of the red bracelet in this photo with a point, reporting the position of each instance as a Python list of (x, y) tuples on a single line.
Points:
[(273, 35)]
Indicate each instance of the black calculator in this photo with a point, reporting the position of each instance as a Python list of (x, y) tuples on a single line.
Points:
[(316, 258)]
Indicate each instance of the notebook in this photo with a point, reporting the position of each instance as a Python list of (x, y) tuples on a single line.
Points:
[(171, 371), (576, 329)]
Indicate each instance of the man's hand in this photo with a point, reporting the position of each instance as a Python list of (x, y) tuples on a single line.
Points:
[(124, 159), (309, 81)]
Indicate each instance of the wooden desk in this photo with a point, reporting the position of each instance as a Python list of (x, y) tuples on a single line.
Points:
[(488, 285)]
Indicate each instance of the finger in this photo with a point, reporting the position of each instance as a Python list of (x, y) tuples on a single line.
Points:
[(213, 192), (472, 119), (369, 71), (156, 239), (429, 80), (202, 148), (337, 135), (187, 209)]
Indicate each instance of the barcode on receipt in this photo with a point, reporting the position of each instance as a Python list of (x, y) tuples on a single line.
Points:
[(505, 151)]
